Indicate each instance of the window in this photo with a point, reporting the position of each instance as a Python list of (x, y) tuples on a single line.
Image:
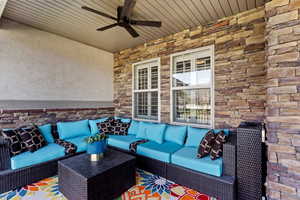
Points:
[(192, 87), (146, 95)]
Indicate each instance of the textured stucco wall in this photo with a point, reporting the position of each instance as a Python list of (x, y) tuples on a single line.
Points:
[(36, 65)]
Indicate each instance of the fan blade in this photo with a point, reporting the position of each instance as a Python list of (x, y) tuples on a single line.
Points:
[(107, 27), (132, 32), (145, 23), (128, 8), (98, 12)]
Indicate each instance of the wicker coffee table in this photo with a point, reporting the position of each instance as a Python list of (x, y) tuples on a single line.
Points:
[(81, 179)]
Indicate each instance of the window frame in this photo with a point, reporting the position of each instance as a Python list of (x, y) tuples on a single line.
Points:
[(203, 52), (157, 60)]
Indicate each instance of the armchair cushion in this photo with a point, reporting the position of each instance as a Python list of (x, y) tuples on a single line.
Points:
[(68, 130), (195, 135), (134, 127), (44, 154), (142, 131), (156, 132), (46, 131), (157, 151), (121, 141), (175, 134), (187, 157)]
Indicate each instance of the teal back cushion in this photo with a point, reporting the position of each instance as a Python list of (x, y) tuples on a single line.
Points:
[(156, 132), (175, 134), (46, 131), (195, 136), (134, 127), (93, 125), (143, 127), (73, 129)]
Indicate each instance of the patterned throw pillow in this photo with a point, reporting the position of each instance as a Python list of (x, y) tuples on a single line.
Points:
[(206, 144), (120, 128), (217, 148), (16, 145), (106, 126), (32, 138), (70, 148)]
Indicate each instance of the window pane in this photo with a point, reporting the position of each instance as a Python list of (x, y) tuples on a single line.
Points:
[(154, 77), (143, 79), (203, 71), (154, 104), (141, 104), (146, 105), (186, 75), (192, 106), (182, 73)]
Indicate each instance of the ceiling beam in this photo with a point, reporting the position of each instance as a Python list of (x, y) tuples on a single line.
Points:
[(2, 6)]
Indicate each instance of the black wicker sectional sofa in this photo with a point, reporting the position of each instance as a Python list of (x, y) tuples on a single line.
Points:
[(219, 183), (223, 187)]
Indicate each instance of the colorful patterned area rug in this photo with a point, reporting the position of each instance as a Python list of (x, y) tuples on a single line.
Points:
[(148, 187)]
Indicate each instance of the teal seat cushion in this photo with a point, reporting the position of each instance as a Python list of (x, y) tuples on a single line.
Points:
[(156, 132), (44, 154), (187, 157), (46, 131), (73, 129), (93, 125), (142, 131), (79, 142), (175, 134), (157, 151), (121, 141), (194, 136), (134, 127)]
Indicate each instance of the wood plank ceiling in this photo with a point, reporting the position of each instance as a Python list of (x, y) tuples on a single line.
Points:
[(66, 18)]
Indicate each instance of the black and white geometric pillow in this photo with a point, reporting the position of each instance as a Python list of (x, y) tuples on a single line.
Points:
[(70, 148), (120, 128), (32, 138), (16, 145), (217, 148), (206, 144), (106, 126)]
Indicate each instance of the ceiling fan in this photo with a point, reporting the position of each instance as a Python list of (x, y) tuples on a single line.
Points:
[(123, 18)]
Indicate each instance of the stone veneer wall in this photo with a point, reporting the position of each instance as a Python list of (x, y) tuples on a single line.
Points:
[(283, 98), (16, 118), (239, 67)]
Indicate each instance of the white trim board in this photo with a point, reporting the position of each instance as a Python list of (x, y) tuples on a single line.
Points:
[(204, 51), (2, 6), (156, 60)]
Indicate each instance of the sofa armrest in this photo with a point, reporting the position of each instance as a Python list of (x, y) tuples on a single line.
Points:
[(4, 154), (229, 156)]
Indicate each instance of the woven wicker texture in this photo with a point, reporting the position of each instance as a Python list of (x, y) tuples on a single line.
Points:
[(81, 179), (249, 162)]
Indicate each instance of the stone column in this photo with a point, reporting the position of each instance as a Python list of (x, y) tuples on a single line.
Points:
[(283, 98)]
